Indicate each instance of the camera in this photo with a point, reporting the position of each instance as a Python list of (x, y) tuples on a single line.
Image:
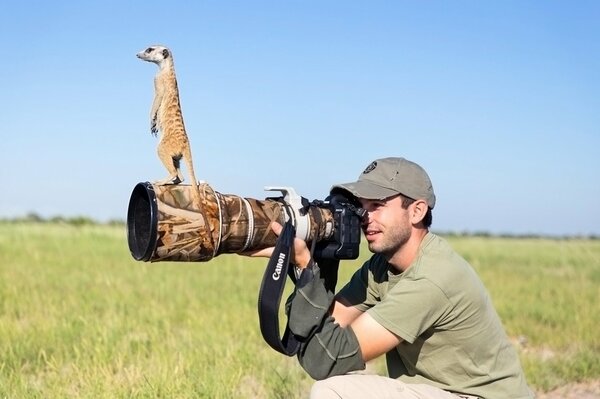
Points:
[(164, 223)]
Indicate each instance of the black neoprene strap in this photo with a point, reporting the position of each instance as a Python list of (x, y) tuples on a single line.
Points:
[(273, 284), (271, 290)]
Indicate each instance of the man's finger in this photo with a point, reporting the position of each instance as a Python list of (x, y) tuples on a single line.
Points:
[(276, 227)]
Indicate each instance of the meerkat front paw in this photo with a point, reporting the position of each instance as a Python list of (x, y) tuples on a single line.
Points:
[(153, 128)]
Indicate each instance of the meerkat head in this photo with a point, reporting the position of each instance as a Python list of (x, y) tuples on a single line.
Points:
[(155, 54)]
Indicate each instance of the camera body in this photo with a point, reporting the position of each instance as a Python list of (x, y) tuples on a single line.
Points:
[(165, 224), (345, 241)]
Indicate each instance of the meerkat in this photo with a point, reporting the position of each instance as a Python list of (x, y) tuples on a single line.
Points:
[(166, 117)]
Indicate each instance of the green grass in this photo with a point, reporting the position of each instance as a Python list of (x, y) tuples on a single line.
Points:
[(80, 318), (546, 292)]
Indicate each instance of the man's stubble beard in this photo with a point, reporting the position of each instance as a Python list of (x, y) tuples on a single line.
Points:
[(392, 240)]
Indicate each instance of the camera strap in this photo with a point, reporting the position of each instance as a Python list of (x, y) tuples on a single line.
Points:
[(271, 290)]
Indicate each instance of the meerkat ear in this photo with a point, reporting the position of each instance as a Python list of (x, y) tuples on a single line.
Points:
[(166, 53)]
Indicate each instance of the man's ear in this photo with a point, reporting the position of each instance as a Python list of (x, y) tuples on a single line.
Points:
[(418, 210)]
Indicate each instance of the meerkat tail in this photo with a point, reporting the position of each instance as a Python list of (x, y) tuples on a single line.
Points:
[(190, 166)]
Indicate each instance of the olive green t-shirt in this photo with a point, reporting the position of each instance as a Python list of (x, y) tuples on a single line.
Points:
[(452, 335)]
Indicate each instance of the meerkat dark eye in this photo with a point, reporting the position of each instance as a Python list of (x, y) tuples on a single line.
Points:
[(149, 50), (166, 53)]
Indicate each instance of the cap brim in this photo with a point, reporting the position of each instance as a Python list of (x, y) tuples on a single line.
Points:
[(366, 190)]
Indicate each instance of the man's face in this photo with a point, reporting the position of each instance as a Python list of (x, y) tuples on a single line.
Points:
[(386, 226)]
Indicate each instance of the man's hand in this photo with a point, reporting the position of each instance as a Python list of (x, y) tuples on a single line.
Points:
[(300, 257)]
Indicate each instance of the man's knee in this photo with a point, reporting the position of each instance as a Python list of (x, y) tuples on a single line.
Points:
[(353, 386), (361, 386), (324, 389)]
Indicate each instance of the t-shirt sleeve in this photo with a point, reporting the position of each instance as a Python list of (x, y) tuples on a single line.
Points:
[(410, 308)]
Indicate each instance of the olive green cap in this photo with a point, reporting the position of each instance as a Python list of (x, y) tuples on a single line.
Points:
[(386, 177)]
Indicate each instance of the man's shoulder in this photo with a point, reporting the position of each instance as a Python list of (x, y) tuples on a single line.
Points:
[(436, 251), (439, 263), (433, 243)]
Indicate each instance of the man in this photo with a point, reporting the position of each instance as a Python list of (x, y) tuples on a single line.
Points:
[(415, 300)]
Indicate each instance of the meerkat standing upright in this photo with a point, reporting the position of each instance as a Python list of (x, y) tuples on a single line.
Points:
[(166, 117)]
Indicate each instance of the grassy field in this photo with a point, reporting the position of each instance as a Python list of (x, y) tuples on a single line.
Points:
[(80, 319)]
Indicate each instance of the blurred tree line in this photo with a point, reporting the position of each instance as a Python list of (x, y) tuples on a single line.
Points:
[(33, 217)]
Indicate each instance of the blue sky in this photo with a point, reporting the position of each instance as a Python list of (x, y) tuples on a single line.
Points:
[(498, 101)]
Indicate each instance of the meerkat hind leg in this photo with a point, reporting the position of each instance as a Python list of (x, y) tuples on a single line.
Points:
[(172, 165), (168, 181)]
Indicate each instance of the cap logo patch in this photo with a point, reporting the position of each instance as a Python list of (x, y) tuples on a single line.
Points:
[(370, 168)]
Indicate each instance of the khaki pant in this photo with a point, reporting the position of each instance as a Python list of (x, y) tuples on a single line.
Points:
[(364, 386)]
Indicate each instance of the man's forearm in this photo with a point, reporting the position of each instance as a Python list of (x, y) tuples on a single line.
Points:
[(333, 350), (326, 348)]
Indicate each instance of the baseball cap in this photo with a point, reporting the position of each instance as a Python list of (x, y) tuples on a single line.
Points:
[(387, 177)]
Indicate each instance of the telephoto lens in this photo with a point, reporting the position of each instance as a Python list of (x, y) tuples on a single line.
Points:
[(164, 223)]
